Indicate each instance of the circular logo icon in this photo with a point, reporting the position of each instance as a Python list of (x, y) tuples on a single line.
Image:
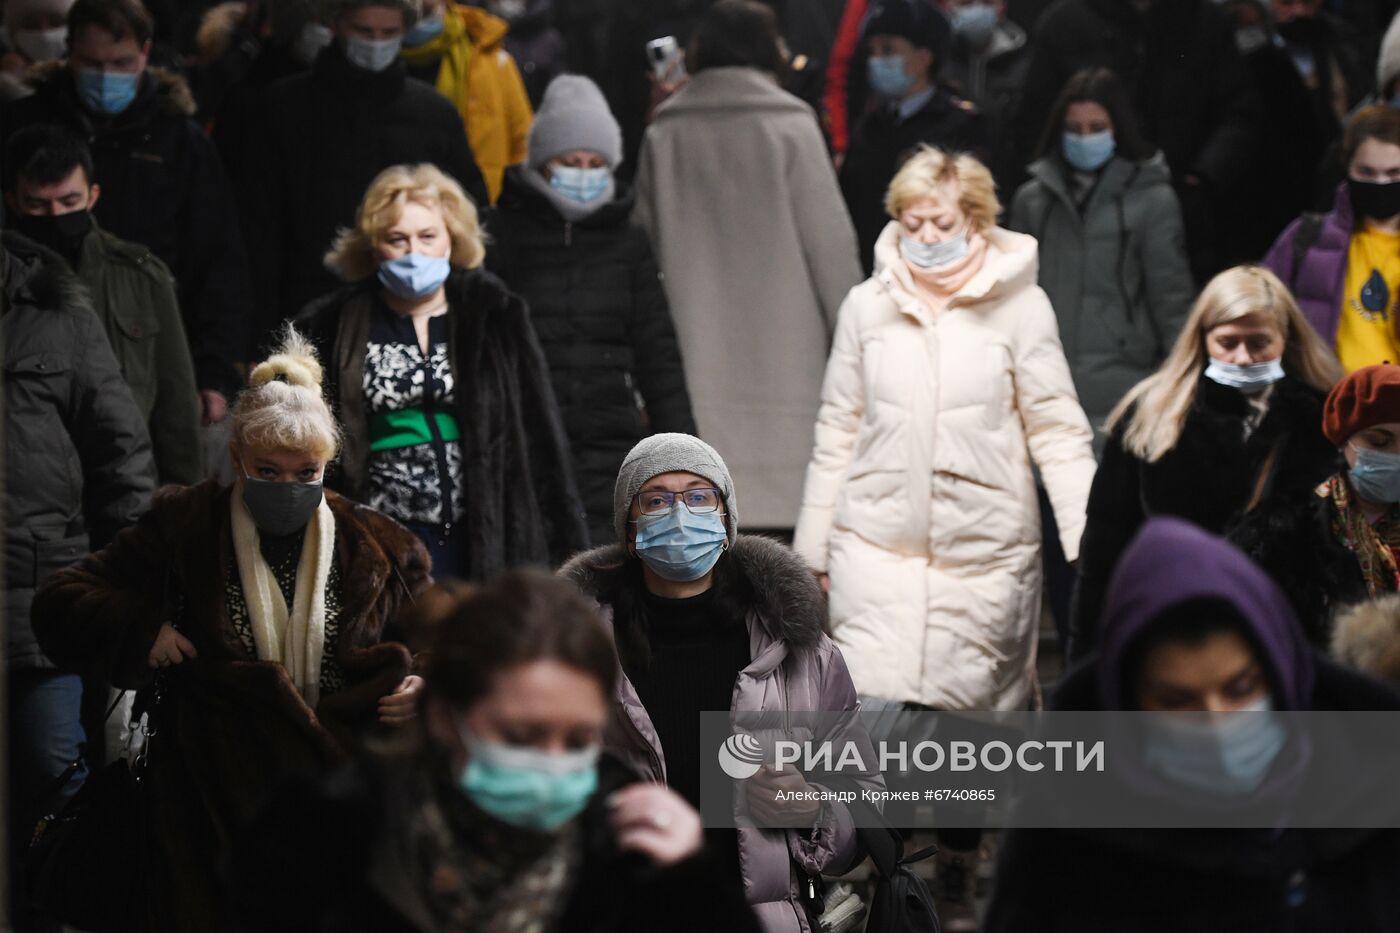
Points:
[(740, 756)]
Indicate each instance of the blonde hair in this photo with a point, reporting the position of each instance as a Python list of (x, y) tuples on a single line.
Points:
[(283, 408), (353, 257), (929, 169), (1156, 407)]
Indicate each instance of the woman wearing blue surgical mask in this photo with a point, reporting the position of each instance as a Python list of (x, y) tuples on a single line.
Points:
[(562, 237), (509, 811), (1112, 251), (1205, 662), (450, 421), (265, 615), (707, 619), (1228, 427)]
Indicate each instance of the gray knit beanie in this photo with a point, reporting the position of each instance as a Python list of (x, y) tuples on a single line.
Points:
[(669, 453), (574, 115)]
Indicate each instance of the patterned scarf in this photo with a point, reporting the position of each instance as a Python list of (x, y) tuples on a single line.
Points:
[(1375, 545)]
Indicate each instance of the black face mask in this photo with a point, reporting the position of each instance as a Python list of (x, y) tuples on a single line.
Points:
[(1303, 31), (62, 233), (1374, 200)]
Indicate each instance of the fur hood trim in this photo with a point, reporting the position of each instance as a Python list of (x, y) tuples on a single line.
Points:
[(1367, 637), (784, 593), (40, 277), (173, 91)]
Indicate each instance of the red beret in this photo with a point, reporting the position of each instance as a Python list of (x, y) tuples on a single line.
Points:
[(1369, 396)]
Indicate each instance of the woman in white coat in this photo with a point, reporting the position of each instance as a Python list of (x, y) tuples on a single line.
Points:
[(946, 383)]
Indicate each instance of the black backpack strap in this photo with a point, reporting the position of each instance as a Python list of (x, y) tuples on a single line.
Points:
[(1309, 229)]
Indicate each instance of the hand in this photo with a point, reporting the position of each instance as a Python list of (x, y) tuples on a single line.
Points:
[(401, 706), (824, 581), (662, 88), (654, 820), (766, 810), (170, 648), (838, 159), (213, 406)]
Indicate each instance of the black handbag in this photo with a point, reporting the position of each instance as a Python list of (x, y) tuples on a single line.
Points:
[(83, 867)]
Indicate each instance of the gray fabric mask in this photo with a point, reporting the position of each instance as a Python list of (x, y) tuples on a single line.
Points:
[(279, 509)]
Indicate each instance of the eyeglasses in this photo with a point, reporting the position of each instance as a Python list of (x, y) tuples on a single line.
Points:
[(698, 501)]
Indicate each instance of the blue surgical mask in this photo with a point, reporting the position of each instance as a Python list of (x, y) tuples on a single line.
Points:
[(1376, 475), (679, 545), (1224, 753), (414, 275), (424, 31), (584, 185), (372, 54), (1089, 153), (1247, 377), (976, 24), (108, 92), (887, 75), (932, 255), (525, 787)]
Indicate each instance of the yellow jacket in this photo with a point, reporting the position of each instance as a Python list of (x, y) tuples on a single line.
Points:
[(480, 77)]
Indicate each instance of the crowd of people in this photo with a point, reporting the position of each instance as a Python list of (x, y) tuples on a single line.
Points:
[(381, 378)]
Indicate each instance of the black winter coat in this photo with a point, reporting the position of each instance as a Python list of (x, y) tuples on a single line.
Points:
[(78, 464), (597, 304), (1204, 881), (522, 500), (324, 137), (313, 861), (1191, 91), (1207, 478), (163, 186), (880, 145)]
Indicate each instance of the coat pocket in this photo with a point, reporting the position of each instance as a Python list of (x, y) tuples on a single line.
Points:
[(134, 345), (52, 556)]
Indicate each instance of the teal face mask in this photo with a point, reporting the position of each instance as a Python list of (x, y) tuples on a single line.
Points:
[(525, 787), (1227, 754)]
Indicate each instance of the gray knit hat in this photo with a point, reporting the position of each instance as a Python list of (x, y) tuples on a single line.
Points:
[(574, 115), (669, 453)]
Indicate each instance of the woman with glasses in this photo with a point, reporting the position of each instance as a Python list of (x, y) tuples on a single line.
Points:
[(271, 609), (707, 620), (450, 421)]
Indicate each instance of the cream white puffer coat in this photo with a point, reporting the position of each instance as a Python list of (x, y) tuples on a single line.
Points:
[(920, 500)]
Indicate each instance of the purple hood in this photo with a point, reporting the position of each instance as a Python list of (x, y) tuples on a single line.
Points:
[(1172, 561)]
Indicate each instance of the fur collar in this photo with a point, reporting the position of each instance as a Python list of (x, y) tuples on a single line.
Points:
[(173, 92), (772, 582), (39, 277), (1367, 637)]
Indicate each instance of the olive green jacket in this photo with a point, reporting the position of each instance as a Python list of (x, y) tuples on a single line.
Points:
[(133, 294)]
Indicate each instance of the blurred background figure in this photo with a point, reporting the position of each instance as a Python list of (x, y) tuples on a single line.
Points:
[(562, 238), (1112, 249), (1345, 266), (450, 422), (987, 65), (946, 387), (459, 50), (32, 32), (756, 250), (516, 815), (533, 40), (1335, 61), (1229, 424)]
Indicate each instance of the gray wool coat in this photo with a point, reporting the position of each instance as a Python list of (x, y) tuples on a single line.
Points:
[(796, 667), (1116, 272)]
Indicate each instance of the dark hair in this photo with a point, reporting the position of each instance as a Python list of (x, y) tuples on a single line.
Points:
[(44, 154), (521, 616), (121, 18), (1100, 86), (1378, 121), (739, 33), (1189, 623)]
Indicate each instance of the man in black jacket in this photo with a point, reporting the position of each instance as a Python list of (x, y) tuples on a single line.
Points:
[(77, 469), (1192, 94), (163, 185), (326, 135)]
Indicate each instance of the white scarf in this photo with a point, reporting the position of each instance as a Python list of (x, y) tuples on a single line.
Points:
[(296, 639)]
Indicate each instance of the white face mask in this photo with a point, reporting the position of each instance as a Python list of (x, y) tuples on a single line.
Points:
[(1249, 377), (932, 255), (373, 54), (42, 45)]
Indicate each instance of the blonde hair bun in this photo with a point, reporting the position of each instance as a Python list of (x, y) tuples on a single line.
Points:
[(283, 407), (294, 363)]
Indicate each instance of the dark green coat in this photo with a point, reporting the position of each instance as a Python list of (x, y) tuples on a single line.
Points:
[(133, 294)]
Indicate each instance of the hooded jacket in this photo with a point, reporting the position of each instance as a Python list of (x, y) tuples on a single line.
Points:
[(994, 78), (77, 455), (1115, 271), (1211, 881), (920, 499), (598, 306), (794, 667), (163, 186), (1318, 275), (757, 252)]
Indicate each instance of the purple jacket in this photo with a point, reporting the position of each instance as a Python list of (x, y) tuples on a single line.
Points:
[(1318, 282), (796, 667)]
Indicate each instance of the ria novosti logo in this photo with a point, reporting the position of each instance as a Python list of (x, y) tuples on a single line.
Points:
[(740, 756)]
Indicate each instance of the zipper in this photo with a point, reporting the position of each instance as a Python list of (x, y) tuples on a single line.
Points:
[(568, 233), (439, 445)]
